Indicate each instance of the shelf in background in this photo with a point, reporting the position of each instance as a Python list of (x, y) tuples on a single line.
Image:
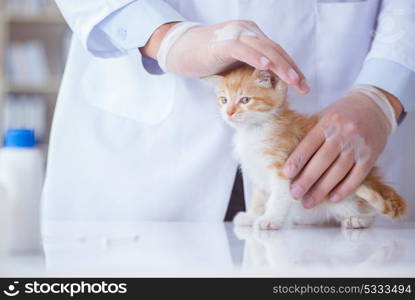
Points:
[(52, 87), (35, 19), (21, 22)]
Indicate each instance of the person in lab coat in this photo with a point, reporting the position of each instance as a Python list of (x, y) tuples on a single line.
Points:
[(136, 135)]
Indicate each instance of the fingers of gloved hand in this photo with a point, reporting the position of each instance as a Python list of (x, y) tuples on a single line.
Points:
[(304, 86), (330, 179), (279, 65), (351, 182), (316, 167), (195, 50), (251, 27), (244, 53), (303, 152)]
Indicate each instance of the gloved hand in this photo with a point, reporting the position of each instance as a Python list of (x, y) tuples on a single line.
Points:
[(338, 153), (195, 50)]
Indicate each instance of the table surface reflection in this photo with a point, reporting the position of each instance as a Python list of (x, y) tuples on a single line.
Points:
[(166, 249)]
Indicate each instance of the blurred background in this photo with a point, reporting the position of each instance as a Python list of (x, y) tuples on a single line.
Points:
[(33, 47)]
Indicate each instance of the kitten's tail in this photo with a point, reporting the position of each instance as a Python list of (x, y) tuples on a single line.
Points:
[(384, 199)]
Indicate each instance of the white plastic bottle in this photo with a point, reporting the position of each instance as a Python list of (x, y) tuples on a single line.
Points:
[(21, 175), (4, 221)]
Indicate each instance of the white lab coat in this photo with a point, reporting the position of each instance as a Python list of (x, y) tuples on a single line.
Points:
[(130, 145)]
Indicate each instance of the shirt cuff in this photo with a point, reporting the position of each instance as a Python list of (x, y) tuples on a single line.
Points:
[(130, 27), (391, 77)]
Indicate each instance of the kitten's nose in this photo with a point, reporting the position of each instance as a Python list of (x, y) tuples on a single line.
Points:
[(230, 112)]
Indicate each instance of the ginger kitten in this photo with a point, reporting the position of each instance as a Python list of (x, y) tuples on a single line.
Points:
[(267, 131)]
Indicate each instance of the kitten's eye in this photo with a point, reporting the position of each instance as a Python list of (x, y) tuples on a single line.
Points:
[(223, 100), (245, 100)]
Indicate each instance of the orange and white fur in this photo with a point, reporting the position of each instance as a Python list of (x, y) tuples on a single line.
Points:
[(255, 103)]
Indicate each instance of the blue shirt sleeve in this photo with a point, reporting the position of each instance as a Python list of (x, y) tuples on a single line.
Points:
[(392, 77), (130, 27)]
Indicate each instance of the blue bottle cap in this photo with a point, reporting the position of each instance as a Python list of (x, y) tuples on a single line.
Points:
[(19, 138)]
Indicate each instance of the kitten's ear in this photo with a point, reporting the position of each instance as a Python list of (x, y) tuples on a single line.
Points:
[(264, 79), (213, 80), (268, 80)]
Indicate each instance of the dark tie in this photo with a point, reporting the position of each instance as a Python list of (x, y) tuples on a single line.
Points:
[(237, 200)]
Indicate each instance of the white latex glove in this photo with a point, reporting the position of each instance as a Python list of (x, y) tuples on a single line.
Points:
[(194, 50), (338, 153)]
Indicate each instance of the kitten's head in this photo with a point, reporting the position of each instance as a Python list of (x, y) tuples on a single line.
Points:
[(248, 97)]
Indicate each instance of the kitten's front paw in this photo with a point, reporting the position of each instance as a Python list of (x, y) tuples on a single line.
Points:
[(244, 219), (358, 222), (243, 232), (268, 223)]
